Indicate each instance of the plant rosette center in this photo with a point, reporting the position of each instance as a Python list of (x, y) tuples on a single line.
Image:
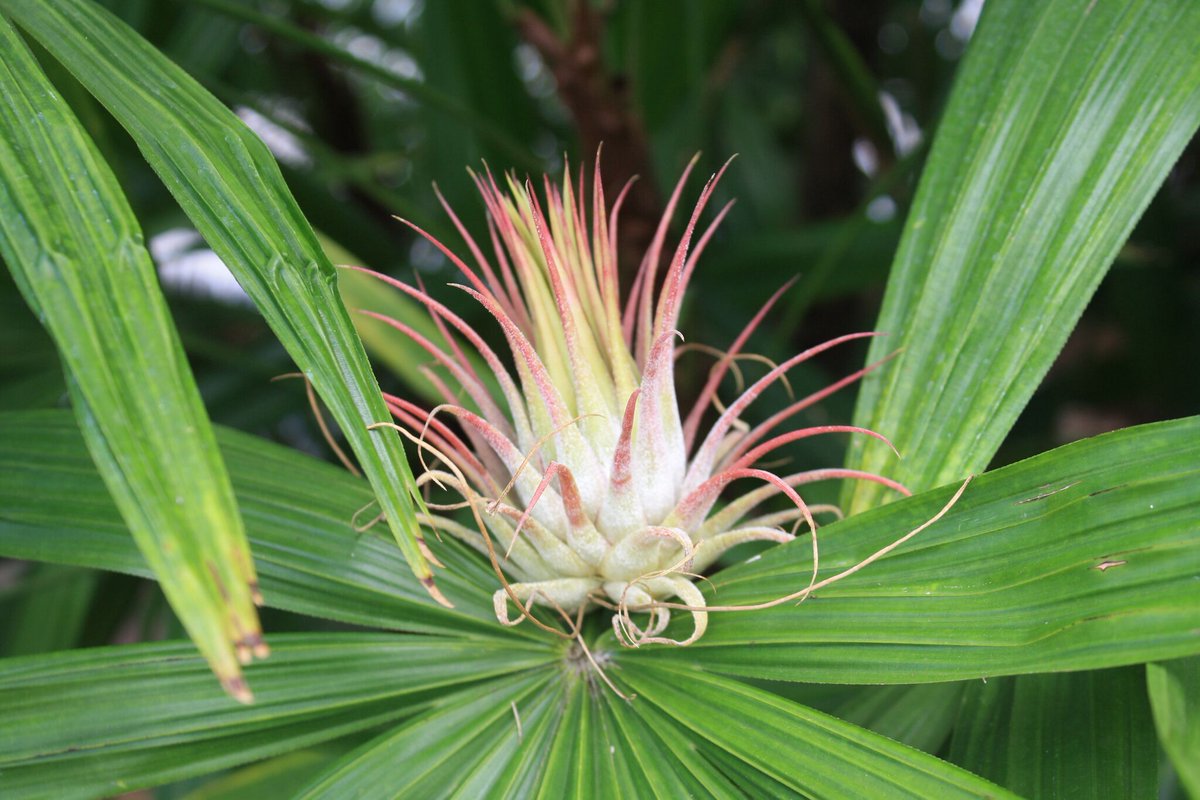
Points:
[(586, 482)]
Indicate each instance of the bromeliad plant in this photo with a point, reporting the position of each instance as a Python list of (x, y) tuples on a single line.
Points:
[(1039, 640), (588, 476)]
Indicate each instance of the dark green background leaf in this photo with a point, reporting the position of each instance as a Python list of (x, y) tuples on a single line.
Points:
[(1175, 698), (1079, 735)]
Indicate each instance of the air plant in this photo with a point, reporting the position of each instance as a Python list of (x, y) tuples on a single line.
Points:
[(588, 484)]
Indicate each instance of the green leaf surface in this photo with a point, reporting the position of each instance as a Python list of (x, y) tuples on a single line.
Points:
[(811, 753), (616, 757), (75, 250), (570, 761), (664, 752), (1175, 700), (299, 514), (282, 776), (506, 747), (49, 612), (920, 716), (523, 772), (1080, 558), (1078, 735), (750, 781), (463, 741), (1064, 119), (145, 714), (227, 182)]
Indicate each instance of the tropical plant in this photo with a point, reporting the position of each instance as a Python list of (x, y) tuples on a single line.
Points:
[(1029, 632)]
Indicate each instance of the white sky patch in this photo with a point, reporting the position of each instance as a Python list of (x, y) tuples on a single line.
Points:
[(186, 266), (965, 18), (934, 13), (425, 257), (282, 143), (401, 63), (905, 132), (881, 209), (865, 157), (371, 48), (533, 72), (366, 47), (374, 50), (396, 12)]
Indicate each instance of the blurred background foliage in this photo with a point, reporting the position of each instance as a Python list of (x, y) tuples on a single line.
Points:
[(367, 103)]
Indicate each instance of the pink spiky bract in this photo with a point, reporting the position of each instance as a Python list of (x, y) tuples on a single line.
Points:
[(592, 410)]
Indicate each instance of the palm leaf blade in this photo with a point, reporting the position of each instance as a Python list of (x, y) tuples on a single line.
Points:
[(138, 715), (229, 185), (809, 752), (299, 514), (75, 249), (1080, 558), (1064, 120)]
